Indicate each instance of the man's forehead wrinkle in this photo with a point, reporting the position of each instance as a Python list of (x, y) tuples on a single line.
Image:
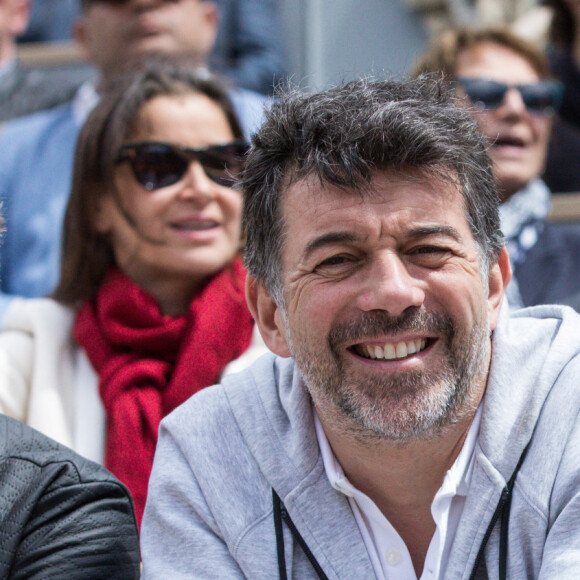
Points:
[(331, 197), (435, 229)]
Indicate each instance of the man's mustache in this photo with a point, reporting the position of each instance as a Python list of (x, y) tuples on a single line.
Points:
[(378, 323)]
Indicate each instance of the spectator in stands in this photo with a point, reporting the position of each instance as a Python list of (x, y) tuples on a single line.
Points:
[(563, 164), (564, 41), (505, 81), (250, 45), (36, 152), (409, 426), (24, 90), (60, 515), (150, 305)]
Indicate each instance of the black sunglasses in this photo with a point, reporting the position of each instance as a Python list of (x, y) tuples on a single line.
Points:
[(157, 165), (542, 97)]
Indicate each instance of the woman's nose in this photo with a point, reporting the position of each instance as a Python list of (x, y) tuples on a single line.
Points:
[(196, 184), (512, 103)]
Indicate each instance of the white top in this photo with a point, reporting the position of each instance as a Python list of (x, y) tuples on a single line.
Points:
[(90, 419), (388, 553), (48, 382)]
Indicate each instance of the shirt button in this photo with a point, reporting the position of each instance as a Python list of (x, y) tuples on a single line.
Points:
[(393, 557)]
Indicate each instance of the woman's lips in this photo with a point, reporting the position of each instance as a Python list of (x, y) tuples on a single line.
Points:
[(195, 225), (197, 230)]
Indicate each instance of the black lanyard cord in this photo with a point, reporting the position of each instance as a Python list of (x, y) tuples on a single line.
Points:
[(502, 511), (280, 513)]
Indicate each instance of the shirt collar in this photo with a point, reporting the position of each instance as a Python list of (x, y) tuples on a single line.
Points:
[(84, 101), (6, 67)]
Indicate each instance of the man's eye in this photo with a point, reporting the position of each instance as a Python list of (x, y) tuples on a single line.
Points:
[(430, 256), (334, 261), (430, 250)]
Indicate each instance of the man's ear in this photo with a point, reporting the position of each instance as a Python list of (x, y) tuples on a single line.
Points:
[(212, 14), (268, 317), (207, 33), (18, 17), (500, 274), (81, 35)]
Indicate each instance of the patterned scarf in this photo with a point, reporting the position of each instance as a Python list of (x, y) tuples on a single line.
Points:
[(522, 221)]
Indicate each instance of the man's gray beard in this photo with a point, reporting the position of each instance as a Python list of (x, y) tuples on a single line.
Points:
[(406, 405)]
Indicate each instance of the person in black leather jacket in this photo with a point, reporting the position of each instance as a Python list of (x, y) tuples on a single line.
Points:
[(61, 516)]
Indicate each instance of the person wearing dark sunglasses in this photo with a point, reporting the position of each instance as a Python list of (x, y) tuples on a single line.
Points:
[(156, 164), (541, 97), (150, 306), (505, 82), (36, 152)]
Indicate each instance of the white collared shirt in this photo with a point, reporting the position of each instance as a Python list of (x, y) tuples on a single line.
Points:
[(85, 100), (6, 66), (388, 553)]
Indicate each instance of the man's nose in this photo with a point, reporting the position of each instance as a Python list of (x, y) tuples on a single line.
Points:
[(390, 287)]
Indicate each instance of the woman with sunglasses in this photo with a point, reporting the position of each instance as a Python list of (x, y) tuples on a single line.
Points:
[(505, 82), (150, 306)]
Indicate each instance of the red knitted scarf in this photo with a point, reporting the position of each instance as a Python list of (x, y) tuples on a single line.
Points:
[(149, 363)]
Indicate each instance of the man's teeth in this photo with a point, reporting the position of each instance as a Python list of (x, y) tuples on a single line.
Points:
[(394, 351)]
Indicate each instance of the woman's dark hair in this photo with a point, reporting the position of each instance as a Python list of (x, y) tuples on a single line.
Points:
[(87, 255)]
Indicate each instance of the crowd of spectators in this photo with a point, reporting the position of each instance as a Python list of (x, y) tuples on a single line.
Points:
[(122, 284)]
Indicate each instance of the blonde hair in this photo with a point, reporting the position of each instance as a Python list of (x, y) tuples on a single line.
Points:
[(443, 53)]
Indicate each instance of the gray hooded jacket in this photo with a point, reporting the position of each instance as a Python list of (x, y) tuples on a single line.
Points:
[(209, 512)]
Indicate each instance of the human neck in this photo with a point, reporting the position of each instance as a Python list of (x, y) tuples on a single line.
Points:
[(401, 478), (406, 470), (172, 295), (505, 193)]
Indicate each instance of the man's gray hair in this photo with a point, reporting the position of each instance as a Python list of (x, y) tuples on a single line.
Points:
[(342, 137)]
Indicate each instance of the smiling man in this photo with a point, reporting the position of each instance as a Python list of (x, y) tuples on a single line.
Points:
[(409, 427)]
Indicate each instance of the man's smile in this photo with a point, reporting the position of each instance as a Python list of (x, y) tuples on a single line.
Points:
[(392, 350)]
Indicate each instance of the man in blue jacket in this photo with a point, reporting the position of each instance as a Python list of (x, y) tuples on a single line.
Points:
[(36, 152)]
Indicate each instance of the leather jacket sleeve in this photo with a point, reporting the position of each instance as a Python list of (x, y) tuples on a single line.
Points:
[(61, 516)]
